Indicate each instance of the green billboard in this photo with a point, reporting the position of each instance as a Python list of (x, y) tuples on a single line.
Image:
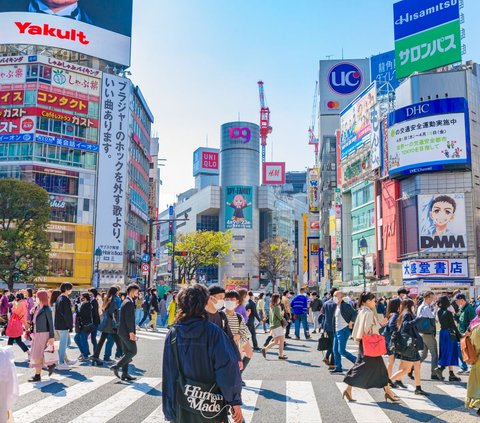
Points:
[(429, 49)]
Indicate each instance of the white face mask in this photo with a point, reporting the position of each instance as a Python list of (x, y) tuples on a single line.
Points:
[(335, 300), (219, 304), (230, 305)]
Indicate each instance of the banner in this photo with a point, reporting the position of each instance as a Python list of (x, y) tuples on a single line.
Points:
[(313, 259), (12, 74), (77, 82), (96, 28), (425, 268), (313, 195), (428, 136), (113, 158), (442, 223), (383, 69), (239, 209), (355, 122)]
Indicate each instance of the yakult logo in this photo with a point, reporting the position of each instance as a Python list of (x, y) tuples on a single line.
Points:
[(345, 78), (240, 134), (49, 31)]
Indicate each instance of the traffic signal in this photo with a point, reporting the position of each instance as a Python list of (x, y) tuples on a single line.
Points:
[(181, 253)]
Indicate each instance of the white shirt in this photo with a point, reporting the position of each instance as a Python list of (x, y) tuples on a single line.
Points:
[(340, 322), (67, 11), (425, 311)]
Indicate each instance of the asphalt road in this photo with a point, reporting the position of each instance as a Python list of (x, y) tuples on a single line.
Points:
[(299, 390)]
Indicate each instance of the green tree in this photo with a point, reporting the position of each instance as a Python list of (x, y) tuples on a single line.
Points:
[(274, 258), (24, 245), (203, 248)]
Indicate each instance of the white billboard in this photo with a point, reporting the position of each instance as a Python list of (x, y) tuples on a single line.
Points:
[(96, 28), (112, 169), (442, 223)]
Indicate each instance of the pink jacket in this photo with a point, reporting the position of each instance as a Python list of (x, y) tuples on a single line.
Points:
[(20, 309)]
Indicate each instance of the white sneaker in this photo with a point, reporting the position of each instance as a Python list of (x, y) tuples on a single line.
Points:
[(63, 366), (71, 362)]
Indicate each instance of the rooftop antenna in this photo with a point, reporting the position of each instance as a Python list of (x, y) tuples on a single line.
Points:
[(342, 53), (239, 116), (207, 140), (329, 56)]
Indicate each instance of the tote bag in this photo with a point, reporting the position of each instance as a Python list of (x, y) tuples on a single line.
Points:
[(374, 345)]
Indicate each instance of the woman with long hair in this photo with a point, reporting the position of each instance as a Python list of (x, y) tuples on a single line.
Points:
[(409, 357), (241, 304), (17, 322), (172, 311), (393, 308), (261, 312), (43, 335), (199, 351), (449, 337), (108, 325), (367, 372), (276, 328)]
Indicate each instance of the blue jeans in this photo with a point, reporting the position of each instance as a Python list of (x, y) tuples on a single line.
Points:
[(339, 348), (301, 318), (108, 349), (81, 339), (65, 341), (463, 365), (138, 315)]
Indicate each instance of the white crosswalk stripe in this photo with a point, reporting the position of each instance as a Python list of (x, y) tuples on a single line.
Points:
[(301, 403), (364, 409), (68, 395), (416, 402), (104, 412)]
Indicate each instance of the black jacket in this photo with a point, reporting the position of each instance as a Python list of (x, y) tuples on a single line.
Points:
[(154, 303), (44, 321), (127, 318), (447, 322), (316, 305), (95, 313), (347, 311), (63, 313), (84, 318), (253, 312)]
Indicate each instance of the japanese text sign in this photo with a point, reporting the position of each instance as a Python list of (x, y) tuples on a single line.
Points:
[(62, 102), (445, 268)]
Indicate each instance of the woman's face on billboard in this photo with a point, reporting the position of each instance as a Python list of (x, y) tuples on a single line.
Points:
[(442, 213)]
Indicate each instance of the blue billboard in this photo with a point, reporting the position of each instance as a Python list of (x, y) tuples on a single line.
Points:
[(429, 136), (382, 69), (412, 17)]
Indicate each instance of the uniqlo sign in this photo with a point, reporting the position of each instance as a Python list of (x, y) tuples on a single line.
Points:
[(209, 160), (206, 161), (274, 173)]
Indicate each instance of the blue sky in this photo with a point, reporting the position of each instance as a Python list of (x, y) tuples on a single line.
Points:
[(198, 63)]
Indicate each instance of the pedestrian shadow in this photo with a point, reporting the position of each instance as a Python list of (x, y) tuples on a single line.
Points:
[(415, 415), (289, 348), (275, 396), (303, 363)]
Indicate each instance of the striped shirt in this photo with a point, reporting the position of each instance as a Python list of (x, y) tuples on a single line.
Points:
[(238, 327)]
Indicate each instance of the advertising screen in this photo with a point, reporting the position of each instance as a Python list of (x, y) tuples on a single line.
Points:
[(96, 28), (442, 223), (355, 121), (238, 207), (428, 136)]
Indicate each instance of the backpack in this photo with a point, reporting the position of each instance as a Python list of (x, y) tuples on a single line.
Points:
[(468, 350)]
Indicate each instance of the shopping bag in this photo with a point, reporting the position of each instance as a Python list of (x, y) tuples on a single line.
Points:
[(50, 355)]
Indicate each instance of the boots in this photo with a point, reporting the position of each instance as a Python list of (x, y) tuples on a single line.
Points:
[(245, 361), (35, 378), (452, 377)]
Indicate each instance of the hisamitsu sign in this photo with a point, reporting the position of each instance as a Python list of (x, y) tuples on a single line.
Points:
[(422, 268)]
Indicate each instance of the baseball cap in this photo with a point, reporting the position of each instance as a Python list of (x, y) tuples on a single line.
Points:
[(460, 297)]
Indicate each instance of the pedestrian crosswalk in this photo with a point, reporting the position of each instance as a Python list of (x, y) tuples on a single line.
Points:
[(295, 401)]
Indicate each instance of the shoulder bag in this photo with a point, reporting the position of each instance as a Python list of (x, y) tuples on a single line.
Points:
[(197, 401), (374, 345), (324, 341)]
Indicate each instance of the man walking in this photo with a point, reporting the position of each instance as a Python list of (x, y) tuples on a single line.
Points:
[(146, 309), (328, 325), (299, 306), (126, 332), (64, 323), (95, 316), (465, 315), (343, 323), (427, 329), (316, 306), (154, 309), (252, 313)]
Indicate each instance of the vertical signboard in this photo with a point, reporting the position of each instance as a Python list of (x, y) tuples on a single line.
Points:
[(382, 69), (427, 35), (313, 259), (112, 168), (238, 207), (305, 242), (313, 194), (390, 234)]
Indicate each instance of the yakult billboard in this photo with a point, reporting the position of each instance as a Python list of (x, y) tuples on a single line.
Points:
[(96, 28)]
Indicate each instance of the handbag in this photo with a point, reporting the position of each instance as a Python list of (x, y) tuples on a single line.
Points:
[(284, 322), (374, 345), (468, 350), (50, 355), (323, 341), (426, 325), (14, 327), (196, 398)]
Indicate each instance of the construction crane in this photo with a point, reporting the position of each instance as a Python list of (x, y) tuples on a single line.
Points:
[(265, 127), (312, 137)]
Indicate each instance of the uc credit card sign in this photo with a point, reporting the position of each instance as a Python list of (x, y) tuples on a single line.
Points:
[(412, 17)]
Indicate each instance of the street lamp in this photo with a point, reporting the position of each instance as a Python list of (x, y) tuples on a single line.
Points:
[(363, 246), (98, 255)]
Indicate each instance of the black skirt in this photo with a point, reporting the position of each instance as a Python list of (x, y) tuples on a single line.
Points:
[(367, 372)]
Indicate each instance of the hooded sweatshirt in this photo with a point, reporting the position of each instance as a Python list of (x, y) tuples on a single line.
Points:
[(206, 355)]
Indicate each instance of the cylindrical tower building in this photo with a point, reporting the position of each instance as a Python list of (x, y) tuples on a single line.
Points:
[(240, 178)]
